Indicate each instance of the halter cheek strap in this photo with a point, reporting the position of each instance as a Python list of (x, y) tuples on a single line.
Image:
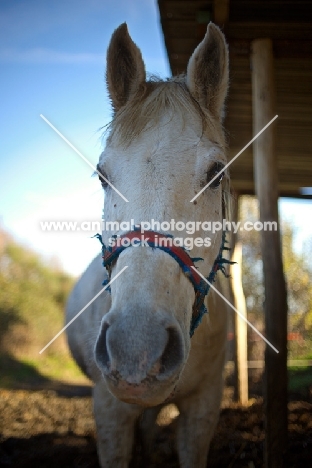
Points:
[(158, 240)]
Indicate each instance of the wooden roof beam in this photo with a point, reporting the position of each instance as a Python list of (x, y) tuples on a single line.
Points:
[(221, 12)]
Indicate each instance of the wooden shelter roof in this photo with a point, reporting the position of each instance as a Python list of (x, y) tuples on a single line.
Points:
[(289, 24)]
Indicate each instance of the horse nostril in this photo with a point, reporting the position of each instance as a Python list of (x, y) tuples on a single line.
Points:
[(172, 355), (101, 352)]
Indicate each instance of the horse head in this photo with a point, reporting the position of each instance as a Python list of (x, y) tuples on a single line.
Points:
[(165, 143)]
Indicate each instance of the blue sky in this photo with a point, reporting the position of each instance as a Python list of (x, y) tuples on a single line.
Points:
[(52, 62)]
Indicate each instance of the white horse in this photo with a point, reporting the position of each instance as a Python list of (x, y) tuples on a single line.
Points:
[(166, 142)]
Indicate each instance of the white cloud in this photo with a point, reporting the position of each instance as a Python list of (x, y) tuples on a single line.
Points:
[(43, 55), (73, 249)]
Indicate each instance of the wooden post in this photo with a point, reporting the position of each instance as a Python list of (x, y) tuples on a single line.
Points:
[(241, 363), (239, 302), (275, 306)]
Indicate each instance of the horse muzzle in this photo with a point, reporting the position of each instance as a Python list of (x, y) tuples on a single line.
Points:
[(141, 360)]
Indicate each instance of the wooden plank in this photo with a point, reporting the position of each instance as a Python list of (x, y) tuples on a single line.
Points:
[(265, 10), (276, 31), (275, 307), (221, 12), (296, 49)]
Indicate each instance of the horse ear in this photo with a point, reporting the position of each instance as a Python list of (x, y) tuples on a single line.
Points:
[(125, 67), (208, 71)]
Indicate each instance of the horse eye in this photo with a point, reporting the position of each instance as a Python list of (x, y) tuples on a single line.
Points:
[(212, 172), (104, 182)]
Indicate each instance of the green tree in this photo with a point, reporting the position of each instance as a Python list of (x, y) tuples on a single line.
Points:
[(32, 298), (298, 275)]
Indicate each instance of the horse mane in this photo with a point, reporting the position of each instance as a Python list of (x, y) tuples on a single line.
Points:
[(146, 108)]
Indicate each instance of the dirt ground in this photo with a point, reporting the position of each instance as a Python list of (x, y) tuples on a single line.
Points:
[(50, 428)]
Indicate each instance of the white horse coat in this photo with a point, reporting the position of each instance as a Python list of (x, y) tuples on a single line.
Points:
[(166, 142)]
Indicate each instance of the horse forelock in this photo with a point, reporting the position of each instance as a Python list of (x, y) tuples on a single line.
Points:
[(147, 107)]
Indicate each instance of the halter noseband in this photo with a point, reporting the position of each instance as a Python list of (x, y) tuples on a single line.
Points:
[(154, 239)]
